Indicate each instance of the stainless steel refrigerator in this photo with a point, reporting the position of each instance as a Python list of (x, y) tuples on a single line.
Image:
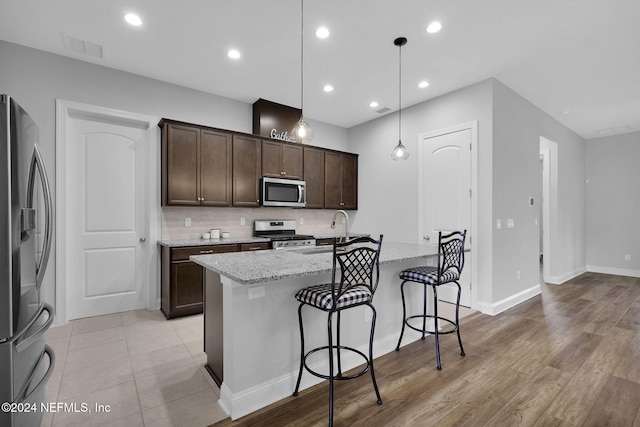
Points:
[(26, 220)]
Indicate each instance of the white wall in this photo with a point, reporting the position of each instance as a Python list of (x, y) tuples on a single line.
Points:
[(613, 205), (518, 125), (388, 190), (35, 79), (509, 130)]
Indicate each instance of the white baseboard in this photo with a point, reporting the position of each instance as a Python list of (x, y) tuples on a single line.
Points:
[(249, 400), (615, 271), (511, 301), (558, 280)]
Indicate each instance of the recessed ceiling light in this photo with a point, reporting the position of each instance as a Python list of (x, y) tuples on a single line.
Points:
[(434, 27), (133, 19), (322, 33), (423, 84), (233, 54), (373, 104), (328, 88)]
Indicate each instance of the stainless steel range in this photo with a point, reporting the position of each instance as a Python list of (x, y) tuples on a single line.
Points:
[(282, 233)]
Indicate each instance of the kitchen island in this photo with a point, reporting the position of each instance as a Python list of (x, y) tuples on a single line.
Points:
[(252, 338)]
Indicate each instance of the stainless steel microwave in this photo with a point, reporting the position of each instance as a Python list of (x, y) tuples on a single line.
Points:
[(283, 192)]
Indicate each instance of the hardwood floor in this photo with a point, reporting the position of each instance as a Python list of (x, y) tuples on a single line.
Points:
[(568, 357)]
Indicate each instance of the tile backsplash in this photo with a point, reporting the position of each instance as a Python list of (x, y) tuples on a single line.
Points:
[(309, 221)]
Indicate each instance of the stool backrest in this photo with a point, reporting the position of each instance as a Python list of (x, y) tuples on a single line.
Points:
[(357, 264), (451, 252)]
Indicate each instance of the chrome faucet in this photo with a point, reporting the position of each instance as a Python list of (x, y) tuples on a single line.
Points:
[(346, 223)]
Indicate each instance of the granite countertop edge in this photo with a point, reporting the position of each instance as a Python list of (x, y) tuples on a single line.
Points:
[(251, 268)]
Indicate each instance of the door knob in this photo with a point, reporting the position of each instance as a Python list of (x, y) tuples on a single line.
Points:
[(427, 238), (143, 239)]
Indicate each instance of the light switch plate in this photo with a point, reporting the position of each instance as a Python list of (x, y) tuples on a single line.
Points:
[(510, 223)]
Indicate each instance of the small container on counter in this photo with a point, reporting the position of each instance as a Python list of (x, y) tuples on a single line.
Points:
[(215, 233), (206, 236), (225, 234)]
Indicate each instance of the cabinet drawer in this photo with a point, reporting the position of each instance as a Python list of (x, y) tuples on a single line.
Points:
[(255, 246), (181, 254), (324, 242)]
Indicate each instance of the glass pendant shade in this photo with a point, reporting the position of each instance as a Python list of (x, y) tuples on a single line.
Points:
[(400, 152), (302, 131)]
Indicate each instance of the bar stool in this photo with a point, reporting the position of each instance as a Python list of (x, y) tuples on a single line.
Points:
[(354, 281), (449, 269)]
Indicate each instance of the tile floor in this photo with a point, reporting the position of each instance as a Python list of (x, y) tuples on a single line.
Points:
[(149, 370)]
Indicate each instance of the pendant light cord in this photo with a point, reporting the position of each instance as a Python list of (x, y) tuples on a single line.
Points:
[(400, 94), (301, 57)]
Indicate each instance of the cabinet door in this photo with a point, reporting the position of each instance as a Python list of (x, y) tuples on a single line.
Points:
[(186, 291), (215, 166), (181, 172), (272, 159), (292, 161), (349, 182), (314, 177), (332, 180), (340, 181), (247, 171)]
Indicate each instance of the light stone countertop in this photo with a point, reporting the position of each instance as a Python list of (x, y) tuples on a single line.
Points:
[(249, 268)]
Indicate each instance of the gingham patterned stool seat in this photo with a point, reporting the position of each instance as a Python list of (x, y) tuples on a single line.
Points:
[(319, 296), (428, 275)]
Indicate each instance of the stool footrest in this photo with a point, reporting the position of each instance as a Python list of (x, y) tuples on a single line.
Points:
[(429, 316), (339, 375)]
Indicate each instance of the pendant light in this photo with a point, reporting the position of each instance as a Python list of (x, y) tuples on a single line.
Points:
[(302, 131), (400, 151)]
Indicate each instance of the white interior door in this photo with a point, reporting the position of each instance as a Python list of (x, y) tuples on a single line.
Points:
[(106, 215), (446, 197)]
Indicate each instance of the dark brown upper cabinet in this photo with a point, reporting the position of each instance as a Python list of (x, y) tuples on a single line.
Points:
[(313, 171), (196, 165), (281, 160), (340, 181), (247, 170)]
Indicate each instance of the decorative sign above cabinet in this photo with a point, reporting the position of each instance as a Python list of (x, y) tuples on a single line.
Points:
[(274, 120)]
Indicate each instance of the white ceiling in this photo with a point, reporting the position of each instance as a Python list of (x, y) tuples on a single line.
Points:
[(581, 56)]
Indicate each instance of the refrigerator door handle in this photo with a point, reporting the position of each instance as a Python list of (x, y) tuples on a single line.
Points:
[(23, 395), (23, 344), (38, 164)]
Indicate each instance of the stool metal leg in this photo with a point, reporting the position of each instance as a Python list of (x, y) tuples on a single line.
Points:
[(295, 392), (435, 325), (331, 375), (373, 376), (404, 315), (458, 319), (424, 311)]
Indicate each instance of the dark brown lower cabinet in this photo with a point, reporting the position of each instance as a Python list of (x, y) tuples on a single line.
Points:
[(182, 280)]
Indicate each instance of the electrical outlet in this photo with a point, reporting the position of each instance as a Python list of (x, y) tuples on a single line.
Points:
[(368, 314), (256, 292), (518, 275), (187, 222), (301, 221), (243, 221), (627, 257)]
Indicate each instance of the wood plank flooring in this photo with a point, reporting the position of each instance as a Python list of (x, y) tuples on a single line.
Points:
[(568, 357)]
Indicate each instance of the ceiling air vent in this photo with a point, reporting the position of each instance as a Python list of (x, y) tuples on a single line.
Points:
[(383, 110), (82, 47)]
